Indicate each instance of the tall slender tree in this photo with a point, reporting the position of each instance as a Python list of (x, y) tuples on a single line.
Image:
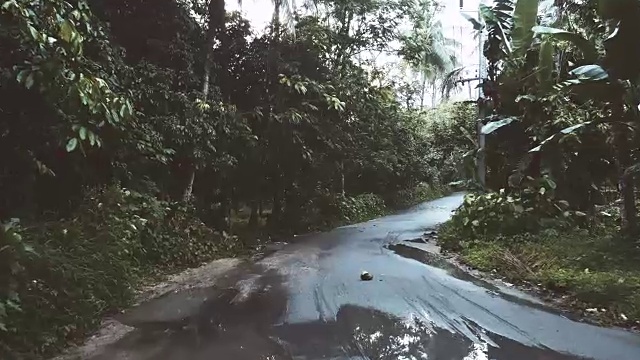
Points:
[(427, 50)]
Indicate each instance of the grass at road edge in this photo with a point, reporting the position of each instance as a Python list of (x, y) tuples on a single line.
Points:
[(595, 274)]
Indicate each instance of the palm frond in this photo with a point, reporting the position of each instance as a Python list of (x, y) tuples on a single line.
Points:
[(451, 81)]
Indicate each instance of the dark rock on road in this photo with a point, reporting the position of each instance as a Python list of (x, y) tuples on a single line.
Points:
[(306, 301)]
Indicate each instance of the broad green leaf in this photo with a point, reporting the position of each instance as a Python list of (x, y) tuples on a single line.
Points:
[(67, 31), (525, 15), (559, 135), (34, 33), (495, 125), (72, 144), (588, 49), (590, 73)]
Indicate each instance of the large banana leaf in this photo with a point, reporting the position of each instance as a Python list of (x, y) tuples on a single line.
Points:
[(498, 124), (588, 49), (561, 134), (525, 15), (590, 73), (497, 21)]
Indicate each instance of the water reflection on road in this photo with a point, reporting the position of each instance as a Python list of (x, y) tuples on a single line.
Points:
[(307, 302), (363, 333), (356, 333)]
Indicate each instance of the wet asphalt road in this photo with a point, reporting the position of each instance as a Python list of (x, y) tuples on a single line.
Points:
[(307, 302)]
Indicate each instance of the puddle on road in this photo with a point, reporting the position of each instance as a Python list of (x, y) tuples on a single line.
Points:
[(356, 333), (364, 333)]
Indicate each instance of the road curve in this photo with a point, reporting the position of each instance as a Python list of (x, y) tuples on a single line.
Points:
[(307, 302)]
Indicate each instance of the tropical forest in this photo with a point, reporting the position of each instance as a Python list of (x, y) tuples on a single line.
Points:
[(142, 138)]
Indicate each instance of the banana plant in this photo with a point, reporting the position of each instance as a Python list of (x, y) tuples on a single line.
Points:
[(614, 81), (507, 25)]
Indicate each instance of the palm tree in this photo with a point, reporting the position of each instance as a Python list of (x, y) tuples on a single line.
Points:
[(436, 59), (426, 49)]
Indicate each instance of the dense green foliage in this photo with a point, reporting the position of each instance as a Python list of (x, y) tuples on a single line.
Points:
[(197, 115), (92, 263), (451, 135), (562, 109), (593, 269)]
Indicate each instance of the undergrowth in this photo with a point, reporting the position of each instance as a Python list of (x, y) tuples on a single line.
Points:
[(65, 275), (369, 206), (583, 261)]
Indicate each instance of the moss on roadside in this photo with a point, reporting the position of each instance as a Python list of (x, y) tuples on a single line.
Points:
[(589, 271)]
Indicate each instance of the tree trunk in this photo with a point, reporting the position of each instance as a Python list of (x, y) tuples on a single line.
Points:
[(626, 185), (190, 176), (215, 28), (424, 90), (276, 212), (434, 94), (342, 190), (253, 219)]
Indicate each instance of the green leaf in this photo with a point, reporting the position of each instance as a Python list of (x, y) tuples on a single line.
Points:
[(8, 4), (588, 50), (495, 125), (72, 144), (34, 33), (114, 116), (67, 31), (559, 135), (83, 133), (525, 15), (30, 80), (29, 249), (590, 73), (22, 75), (632, 170)]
